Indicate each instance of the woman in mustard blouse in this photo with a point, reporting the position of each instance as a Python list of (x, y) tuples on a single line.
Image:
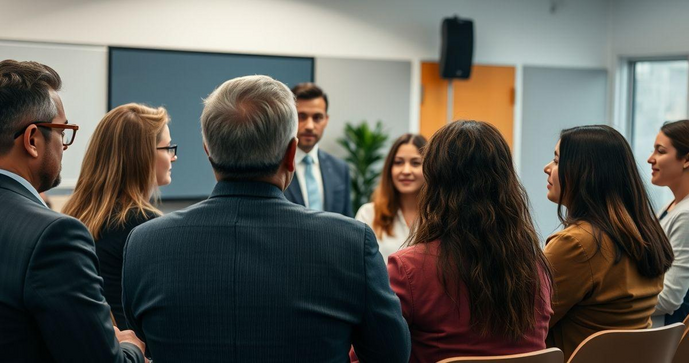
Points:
[(608, 262)]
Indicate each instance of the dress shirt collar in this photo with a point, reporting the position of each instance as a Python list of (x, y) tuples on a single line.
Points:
[(24, 183), (314, 155)]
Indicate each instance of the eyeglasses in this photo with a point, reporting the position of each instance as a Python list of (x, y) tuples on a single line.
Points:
[(171, 150), (69, 131)]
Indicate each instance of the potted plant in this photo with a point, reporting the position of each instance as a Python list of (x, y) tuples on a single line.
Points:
[(364, 147)]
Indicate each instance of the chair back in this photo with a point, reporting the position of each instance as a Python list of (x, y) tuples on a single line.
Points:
[(682, 354), (550, 355), (630, 346)]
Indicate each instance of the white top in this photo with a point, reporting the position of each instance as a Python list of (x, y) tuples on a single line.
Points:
[(301, 169), (676, 226), (388, 244), (24, 183)]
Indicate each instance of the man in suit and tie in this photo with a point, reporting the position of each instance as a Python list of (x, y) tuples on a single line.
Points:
[(322, 181), (246, 275), (52, 307)]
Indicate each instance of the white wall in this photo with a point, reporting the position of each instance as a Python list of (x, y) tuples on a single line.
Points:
[(649, 28), (640, 28), (508, 31), (84, 73)]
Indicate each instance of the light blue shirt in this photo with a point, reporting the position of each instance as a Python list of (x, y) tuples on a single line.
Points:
[(24, 183)]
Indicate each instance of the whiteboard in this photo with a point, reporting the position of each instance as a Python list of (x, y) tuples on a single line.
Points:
[(84, 74)]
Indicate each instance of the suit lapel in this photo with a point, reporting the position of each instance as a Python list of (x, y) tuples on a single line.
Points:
[(326, 174), (293, 191)]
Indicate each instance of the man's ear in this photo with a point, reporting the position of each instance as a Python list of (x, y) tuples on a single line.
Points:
[(205, 148), (30, 140), (686, 162), (291, 153)]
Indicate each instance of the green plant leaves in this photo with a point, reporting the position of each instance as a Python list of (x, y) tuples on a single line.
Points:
[(364, 147)]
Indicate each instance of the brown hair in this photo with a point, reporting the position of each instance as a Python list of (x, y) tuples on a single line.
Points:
[(309, 91), (475, 206), (386, 197), (118, 172), (600, 184), (678, 133), (25, 98)]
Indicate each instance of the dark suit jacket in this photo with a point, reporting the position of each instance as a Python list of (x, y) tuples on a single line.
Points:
[(247, 276), (336, 186), (51, 297)]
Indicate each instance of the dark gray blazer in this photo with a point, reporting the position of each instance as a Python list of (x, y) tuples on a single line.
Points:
[(247, 276), (52, 307), (336, 186)]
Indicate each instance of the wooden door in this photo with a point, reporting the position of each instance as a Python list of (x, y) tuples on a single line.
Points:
[(487, 96)]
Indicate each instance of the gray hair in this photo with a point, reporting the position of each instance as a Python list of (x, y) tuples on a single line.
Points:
[(247, 124)]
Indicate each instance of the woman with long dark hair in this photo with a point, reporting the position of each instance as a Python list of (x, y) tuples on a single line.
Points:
[(608, 262), (474, 280), (394, 205), (670, 163)]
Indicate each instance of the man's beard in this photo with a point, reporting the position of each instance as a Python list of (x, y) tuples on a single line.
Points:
[(47, 179)]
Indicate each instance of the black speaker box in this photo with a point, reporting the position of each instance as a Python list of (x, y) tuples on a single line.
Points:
[(457, 48)]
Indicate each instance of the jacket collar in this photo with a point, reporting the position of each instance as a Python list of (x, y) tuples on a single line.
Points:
[(246, 188), (12, 185)]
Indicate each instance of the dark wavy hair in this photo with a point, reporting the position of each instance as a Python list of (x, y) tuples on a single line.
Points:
[(678, 133), (600, 184), (474, 204), (386, 199)]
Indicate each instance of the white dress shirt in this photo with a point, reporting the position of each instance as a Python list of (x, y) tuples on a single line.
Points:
[(387, 244), (676, 226), (24, 183), (301, 169)]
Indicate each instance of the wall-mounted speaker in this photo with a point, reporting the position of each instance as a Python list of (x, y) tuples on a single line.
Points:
[(457, 48)]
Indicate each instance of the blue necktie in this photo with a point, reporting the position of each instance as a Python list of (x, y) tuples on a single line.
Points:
[(311, 185)]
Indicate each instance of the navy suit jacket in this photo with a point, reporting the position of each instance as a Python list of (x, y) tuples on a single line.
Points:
[(52, 307), (336, 186), (247, 276)]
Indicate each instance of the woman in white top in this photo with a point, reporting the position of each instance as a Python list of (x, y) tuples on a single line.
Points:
[(670, 163), (394, 203)]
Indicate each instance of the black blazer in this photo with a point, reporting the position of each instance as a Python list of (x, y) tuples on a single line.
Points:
[(109, 248), (247, 276), (51, 297), (336, 186)]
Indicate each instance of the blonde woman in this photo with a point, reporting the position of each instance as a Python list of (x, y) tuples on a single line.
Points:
[(130, 154)]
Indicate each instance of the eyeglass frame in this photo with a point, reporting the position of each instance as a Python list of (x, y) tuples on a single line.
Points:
[(51, 125), (168, 148)]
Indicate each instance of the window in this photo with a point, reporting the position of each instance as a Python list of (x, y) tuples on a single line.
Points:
[(659, 95)]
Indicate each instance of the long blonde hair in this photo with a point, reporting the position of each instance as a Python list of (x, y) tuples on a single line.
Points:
[(118, 172)]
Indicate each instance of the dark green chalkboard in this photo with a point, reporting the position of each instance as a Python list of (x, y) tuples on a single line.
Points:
[(179, 81)]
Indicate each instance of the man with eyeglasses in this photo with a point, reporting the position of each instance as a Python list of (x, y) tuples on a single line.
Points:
[(52, 307)]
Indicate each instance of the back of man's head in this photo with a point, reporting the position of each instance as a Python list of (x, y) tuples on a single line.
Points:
[(25, 97), (247, 125), (309, 91)]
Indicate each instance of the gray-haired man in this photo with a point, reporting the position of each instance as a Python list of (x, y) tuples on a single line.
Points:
[(246, 275)]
